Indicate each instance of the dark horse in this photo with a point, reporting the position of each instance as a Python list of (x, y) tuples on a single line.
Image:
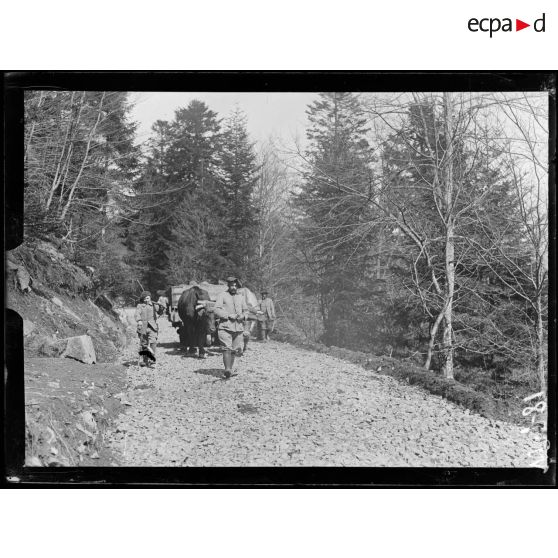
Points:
[(196, 321)]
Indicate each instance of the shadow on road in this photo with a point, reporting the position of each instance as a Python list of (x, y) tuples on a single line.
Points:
[(177, 351), (129, 363), (169, 345), (215, 372), (222, 379), (186, 354)]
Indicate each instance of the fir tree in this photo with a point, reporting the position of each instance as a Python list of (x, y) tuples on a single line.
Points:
[(151, 230), (179, 191), (238, 213), (331, 201)]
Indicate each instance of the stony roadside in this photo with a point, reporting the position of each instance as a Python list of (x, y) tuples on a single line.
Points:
[(69, 409), (286, 406)]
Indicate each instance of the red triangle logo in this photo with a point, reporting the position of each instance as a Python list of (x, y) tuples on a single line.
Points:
[(519, 25)]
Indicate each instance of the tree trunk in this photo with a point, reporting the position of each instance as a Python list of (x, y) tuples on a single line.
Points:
[(379, 262), (86, 155), (32, 130), (447, 338), (432, 339), (66, 172), (59, 166), (540, 345)]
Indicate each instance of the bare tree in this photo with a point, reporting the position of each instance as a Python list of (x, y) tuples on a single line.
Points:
[(274, 231), (424, 196), (79, 166), (522, 267), (445, 166), (69, 160)]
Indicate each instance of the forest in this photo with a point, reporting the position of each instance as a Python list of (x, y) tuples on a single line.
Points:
[(413, 225)]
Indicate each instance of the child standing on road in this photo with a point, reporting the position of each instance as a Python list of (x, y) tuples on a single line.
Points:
[(147, 313)]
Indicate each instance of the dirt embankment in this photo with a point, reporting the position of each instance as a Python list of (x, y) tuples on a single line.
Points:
[(53, 296), (69, 405), (69, 408)]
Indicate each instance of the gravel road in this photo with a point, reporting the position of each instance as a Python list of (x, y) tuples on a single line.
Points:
[(286, 406)]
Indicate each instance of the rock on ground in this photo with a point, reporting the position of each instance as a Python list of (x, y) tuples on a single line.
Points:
[(286, 406), (28, 327), (21, 275), (80, 348)]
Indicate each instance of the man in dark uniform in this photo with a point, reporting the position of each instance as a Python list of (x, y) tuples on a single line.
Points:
[(193, 312)]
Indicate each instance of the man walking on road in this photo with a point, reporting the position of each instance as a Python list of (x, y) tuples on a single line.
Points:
[(231, 310), (163, 301), (268, 309), (253, 310), (147, 313)]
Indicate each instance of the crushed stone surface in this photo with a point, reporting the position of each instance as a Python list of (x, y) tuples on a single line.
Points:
[(286, 406)]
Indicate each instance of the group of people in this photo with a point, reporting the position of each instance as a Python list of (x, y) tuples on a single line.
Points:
[(232, 311)]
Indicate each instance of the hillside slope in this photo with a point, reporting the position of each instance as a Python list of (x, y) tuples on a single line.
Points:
[(69, 406), (52, 295)]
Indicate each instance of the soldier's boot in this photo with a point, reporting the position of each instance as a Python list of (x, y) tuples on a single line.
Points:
[(227, 361), (153, 347), (246, 340)]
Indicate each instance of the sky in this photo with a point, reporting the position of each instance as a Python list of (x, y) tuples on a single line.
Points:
[(281, 115)]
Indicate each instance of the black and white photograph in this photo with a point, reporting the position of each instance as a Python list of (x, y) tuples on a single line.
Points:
[(316, 279)]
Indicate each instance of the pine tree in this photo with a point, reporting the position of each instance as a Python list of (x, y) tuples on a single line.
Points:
[(179, 198), (194, 164), (331, 202), (237, 210), (151, 230)]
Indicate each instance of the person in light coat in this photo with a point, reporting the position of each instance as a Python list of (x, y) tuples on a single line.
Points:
[(163, 301), (250, 322), (231, 311), (268, 310), (147, 313)]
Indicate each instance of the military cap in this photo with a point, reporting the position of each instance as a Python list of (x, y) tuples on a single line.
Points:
[(233, 279)]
